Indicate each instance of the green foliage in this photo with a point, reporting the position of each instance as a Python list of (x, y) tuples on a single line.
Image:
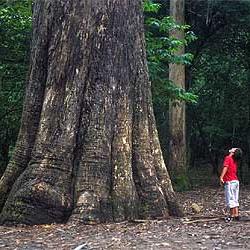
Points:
[(149, 6), (161, 50)]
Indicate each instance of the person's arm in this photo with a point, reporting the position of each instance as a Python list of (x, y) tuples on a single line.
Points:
[(223, 172)]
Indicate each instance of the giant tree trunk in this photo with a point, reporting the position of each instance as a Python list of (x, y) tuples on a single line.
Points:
[(88, 148), (177, 114)]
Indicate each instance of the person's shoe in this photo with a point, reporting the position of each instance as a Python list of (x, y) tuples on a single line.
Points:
[(237, 218)]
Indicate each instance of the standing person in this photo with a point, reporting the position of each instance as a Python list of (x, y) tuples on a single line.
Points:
[(230, 180)]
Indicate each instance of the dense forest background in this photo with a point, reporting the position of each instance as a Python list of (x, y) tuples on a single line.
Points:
[(217, 63)]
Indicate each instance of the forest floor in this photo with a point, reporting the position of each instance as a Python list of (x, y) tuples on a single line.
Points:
[(174, 233)]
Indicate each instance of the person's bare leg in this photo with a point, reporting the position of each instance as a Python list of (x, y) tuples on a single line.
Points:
[(236, 213), (232, 212)]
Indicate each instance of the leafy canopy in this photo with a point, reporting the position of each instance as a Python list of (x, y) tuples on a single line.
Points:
[(161, 48)]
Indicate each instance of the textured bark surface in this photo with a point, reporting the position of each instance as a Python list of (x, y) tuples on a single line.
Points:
[(93, 151), (177, 114), (32, 104)]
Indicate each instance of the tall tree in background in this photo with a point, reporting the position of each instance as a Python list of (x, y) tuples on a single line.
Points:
[(177, 125), (88, 147)]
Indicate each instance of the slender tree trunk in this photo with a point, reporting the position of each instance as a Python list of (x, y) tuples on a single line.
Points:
[(177, 112), (95, 154)]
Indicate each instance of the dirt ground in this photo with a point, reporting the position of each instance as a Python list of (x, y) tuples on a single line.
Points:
[(173, 233)]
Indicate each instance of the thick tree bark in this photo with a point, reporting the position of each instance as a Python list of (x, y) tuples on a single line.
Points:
[(95, 153), (177, 113), (32, 104)]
